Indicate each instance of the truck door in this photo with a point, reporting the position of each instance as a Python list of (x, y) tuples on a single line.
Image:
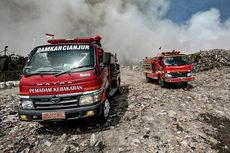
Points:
[(153, 67), (107, 64), (161, 64)]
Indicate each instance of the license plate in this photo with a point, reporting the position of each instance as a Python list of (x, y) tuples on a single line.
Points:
[(53, 115)]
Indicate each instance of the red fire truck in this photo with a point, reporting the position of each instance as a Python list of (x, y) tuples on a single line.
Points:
[(168, 67), (68, 79)]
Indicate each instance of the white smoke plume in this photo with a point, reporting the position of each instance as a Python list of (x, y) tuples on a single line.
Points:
[(132, 28)]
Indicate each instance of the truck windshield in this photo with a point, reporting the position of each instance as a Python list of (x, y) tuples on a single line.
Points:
[(176, 60), (55, 59)]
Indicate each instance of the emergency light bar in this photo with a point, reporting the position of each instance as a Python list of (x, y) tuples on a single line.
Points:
[(76, 40), (171, 53), (49, 35)]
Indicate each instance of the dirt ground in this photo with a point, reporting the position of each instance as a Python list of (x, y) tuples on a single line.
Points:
[(144, 118)]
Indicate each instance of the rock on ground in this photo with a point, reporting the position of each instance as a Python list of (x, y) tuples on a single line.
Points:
[(144, 118)]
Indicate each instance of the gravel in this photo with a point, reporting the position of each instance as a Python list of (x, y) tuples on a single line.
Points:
[(144, 118)]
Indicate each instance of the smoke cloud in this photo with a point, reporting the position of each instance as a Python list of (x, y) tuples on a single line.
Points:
[(132, 28)]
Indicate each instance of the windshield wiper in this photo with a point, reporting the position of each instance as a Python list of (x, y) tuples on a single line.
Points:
[(39, 73), (169, 64), (70, 70)]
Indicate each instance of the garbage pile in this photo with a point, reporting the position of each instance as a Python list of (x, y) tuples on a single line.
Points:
[(207, 60), (202, 61), (9, 84), (143, 118), (13, 68)]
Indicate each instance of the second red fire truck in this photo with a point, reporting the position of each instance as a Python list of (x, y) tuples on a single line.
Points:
[(168, 67)]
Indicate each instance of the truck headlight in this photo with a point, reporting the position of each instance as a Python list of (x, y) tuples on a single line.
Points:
[(189, 74), (89, 99), (27, 104), (167, 75)]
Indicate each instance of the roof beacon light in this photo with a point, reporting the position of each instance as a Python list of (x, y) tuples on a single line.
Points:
[(171, 53), (95, 39), (49, 35)]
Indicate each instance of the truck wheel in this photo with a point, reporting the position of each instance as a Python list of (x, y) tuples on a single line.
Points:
[(118, 92), (184, 84), (105, 112), (147, 79), (161, 82)]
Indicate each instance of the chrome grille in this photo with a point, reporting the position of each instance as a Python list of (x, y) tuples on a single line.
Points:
[(63, 102), (179, 74)]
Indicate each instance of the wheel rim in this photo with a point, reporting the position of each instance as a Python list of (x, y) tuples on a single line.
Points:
[(161, 82), (106, 108), (146, 78)]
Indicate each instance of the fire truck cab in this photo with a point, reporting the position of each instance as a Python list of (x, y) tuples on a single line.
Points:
[(68, 79), (168, 67)]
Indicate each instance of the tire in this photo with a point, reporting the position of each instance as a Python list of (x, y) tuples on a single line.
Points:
[(161, 82), (147, 79), (105, 112), (184, 84), (118, 92)]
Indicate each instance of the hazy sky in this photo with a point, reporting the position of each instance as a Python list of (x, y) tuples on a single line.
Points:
[(132, 28)]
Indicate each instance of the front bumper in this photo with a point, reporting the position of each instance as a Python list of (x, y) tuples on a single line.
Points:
[(178, 80), (70, 113)]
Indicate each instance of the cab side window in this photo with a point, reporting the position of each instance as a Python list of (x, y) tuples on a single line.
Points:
[(100, 59), (161, 61)]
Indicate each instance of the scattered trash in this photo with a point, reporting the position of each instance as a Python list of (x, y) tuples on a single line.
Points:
[(144, 118)]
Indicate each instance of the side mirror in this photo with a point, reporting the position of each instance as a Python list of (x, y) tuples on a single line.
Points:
[(106, 58), (3, 63), (102, 65)]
